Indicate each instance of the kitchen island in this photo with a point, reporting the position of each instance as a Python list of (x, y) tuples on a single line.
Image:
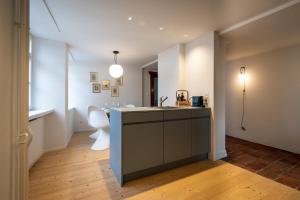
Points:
[(148, 140)]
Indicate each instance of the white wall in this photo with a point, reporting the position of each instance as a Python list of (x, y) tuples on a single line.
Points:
[(80, 90), (272, 100), (147, 85), (197, 67), (36, 147), (205, 76), (6, 87), (50, 89), (219, 98), (70, 123), (171, 73)]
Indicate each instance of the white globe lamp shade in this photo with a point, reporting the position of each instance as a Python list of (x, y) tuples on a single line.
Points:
[(116, 71)]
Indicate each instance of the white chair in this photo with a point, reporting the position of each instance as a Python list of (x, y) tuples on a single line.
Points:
[(99, 120), (93, 120)]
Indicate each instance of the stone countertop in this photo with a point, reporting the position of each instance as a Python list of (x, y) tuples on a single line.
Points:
[(153, 109)]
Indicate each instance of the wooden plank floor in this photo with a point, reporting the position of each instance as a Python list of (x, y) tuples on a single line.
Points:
[(80, 173)]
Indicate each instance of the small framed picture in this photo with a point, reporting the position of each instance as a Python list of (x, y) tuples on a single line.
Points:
[(93, 76), (96, 87), (105, 85), (114, 91), (182, 95), (119, 81)]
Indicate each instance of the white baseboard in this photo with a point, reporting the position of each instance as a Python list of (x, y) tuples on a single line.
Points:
[(218, 155), (68, 139), (222, 154), (35, 160)]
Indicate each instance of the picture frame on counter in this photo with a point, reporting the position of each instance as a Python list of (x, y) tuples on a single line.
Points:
[(105, 85), (182, 95), (96, 88), (93, 76), (115, 91), (182, 98)]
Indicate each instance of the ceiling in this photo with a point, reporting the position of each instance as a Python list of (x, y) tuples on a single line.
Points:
[(94, 28), (278, 30)]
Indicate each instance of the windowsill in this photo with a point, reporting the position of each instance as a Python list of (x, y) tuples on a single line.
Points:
[(34, 114)]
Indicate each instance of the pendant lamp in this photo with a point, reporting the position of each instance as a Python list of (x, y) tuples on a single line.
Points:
[(116, 70)]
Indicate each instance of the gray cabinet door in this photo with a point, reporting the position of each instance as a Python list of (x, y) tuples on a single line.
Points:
[(200, 136), (177, 140), (142, 146)]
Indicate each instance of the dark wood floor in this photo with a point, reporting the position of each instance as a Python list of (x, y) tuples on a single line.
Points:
[(276, 164)]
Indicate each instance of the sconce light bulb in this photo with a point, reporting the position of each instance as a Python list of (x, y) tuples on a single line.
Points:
[(243, 77)]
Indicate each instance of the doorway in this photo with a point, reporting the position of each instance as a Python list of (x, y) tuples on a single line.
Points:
[(150, 85), (153, 88)]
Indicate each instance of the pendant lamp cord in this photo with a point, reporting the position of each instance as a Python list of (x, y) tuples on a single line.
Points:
[(116, 58)]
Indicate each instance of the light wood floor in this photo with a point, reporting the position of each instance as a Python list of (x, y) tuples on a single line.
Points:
[(80, 173)]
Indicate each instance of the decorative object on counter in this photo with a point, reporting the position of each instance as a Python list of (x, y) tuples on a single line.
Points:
[(96, 88), (182, 98), (119, 81), (105, 85), (205, 101), (197, 101), (93, 76), (114, 91), (116, 70)]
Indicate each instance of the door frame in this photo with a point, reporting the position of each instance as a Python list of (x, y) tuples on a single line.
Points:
[(21, 132)]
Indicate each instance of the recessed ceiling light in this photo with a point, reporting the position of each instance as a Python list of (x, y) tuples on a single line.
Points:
[(161, 28), (130, 18)]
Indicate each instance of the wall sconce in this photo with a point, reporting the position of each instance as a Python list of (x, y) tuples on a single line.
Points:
[(243, 78)]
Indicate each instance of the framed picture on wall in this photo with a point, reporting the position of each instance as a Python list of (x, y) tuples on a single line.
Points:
[(96, 88), (93, 76), (119, 81), (114, 91), (105, 85)]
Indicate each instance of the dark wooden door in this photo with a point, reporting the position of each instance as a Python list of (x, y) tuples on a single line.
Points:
[(153, 88)]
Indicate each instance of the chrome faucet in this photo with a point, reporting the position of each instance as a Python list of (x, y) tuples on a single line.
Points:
[(162, 99)]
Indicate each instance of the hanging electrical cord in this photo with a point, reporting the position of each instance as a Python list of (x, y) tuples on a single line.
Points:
[(243, 76), (116, 56)]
